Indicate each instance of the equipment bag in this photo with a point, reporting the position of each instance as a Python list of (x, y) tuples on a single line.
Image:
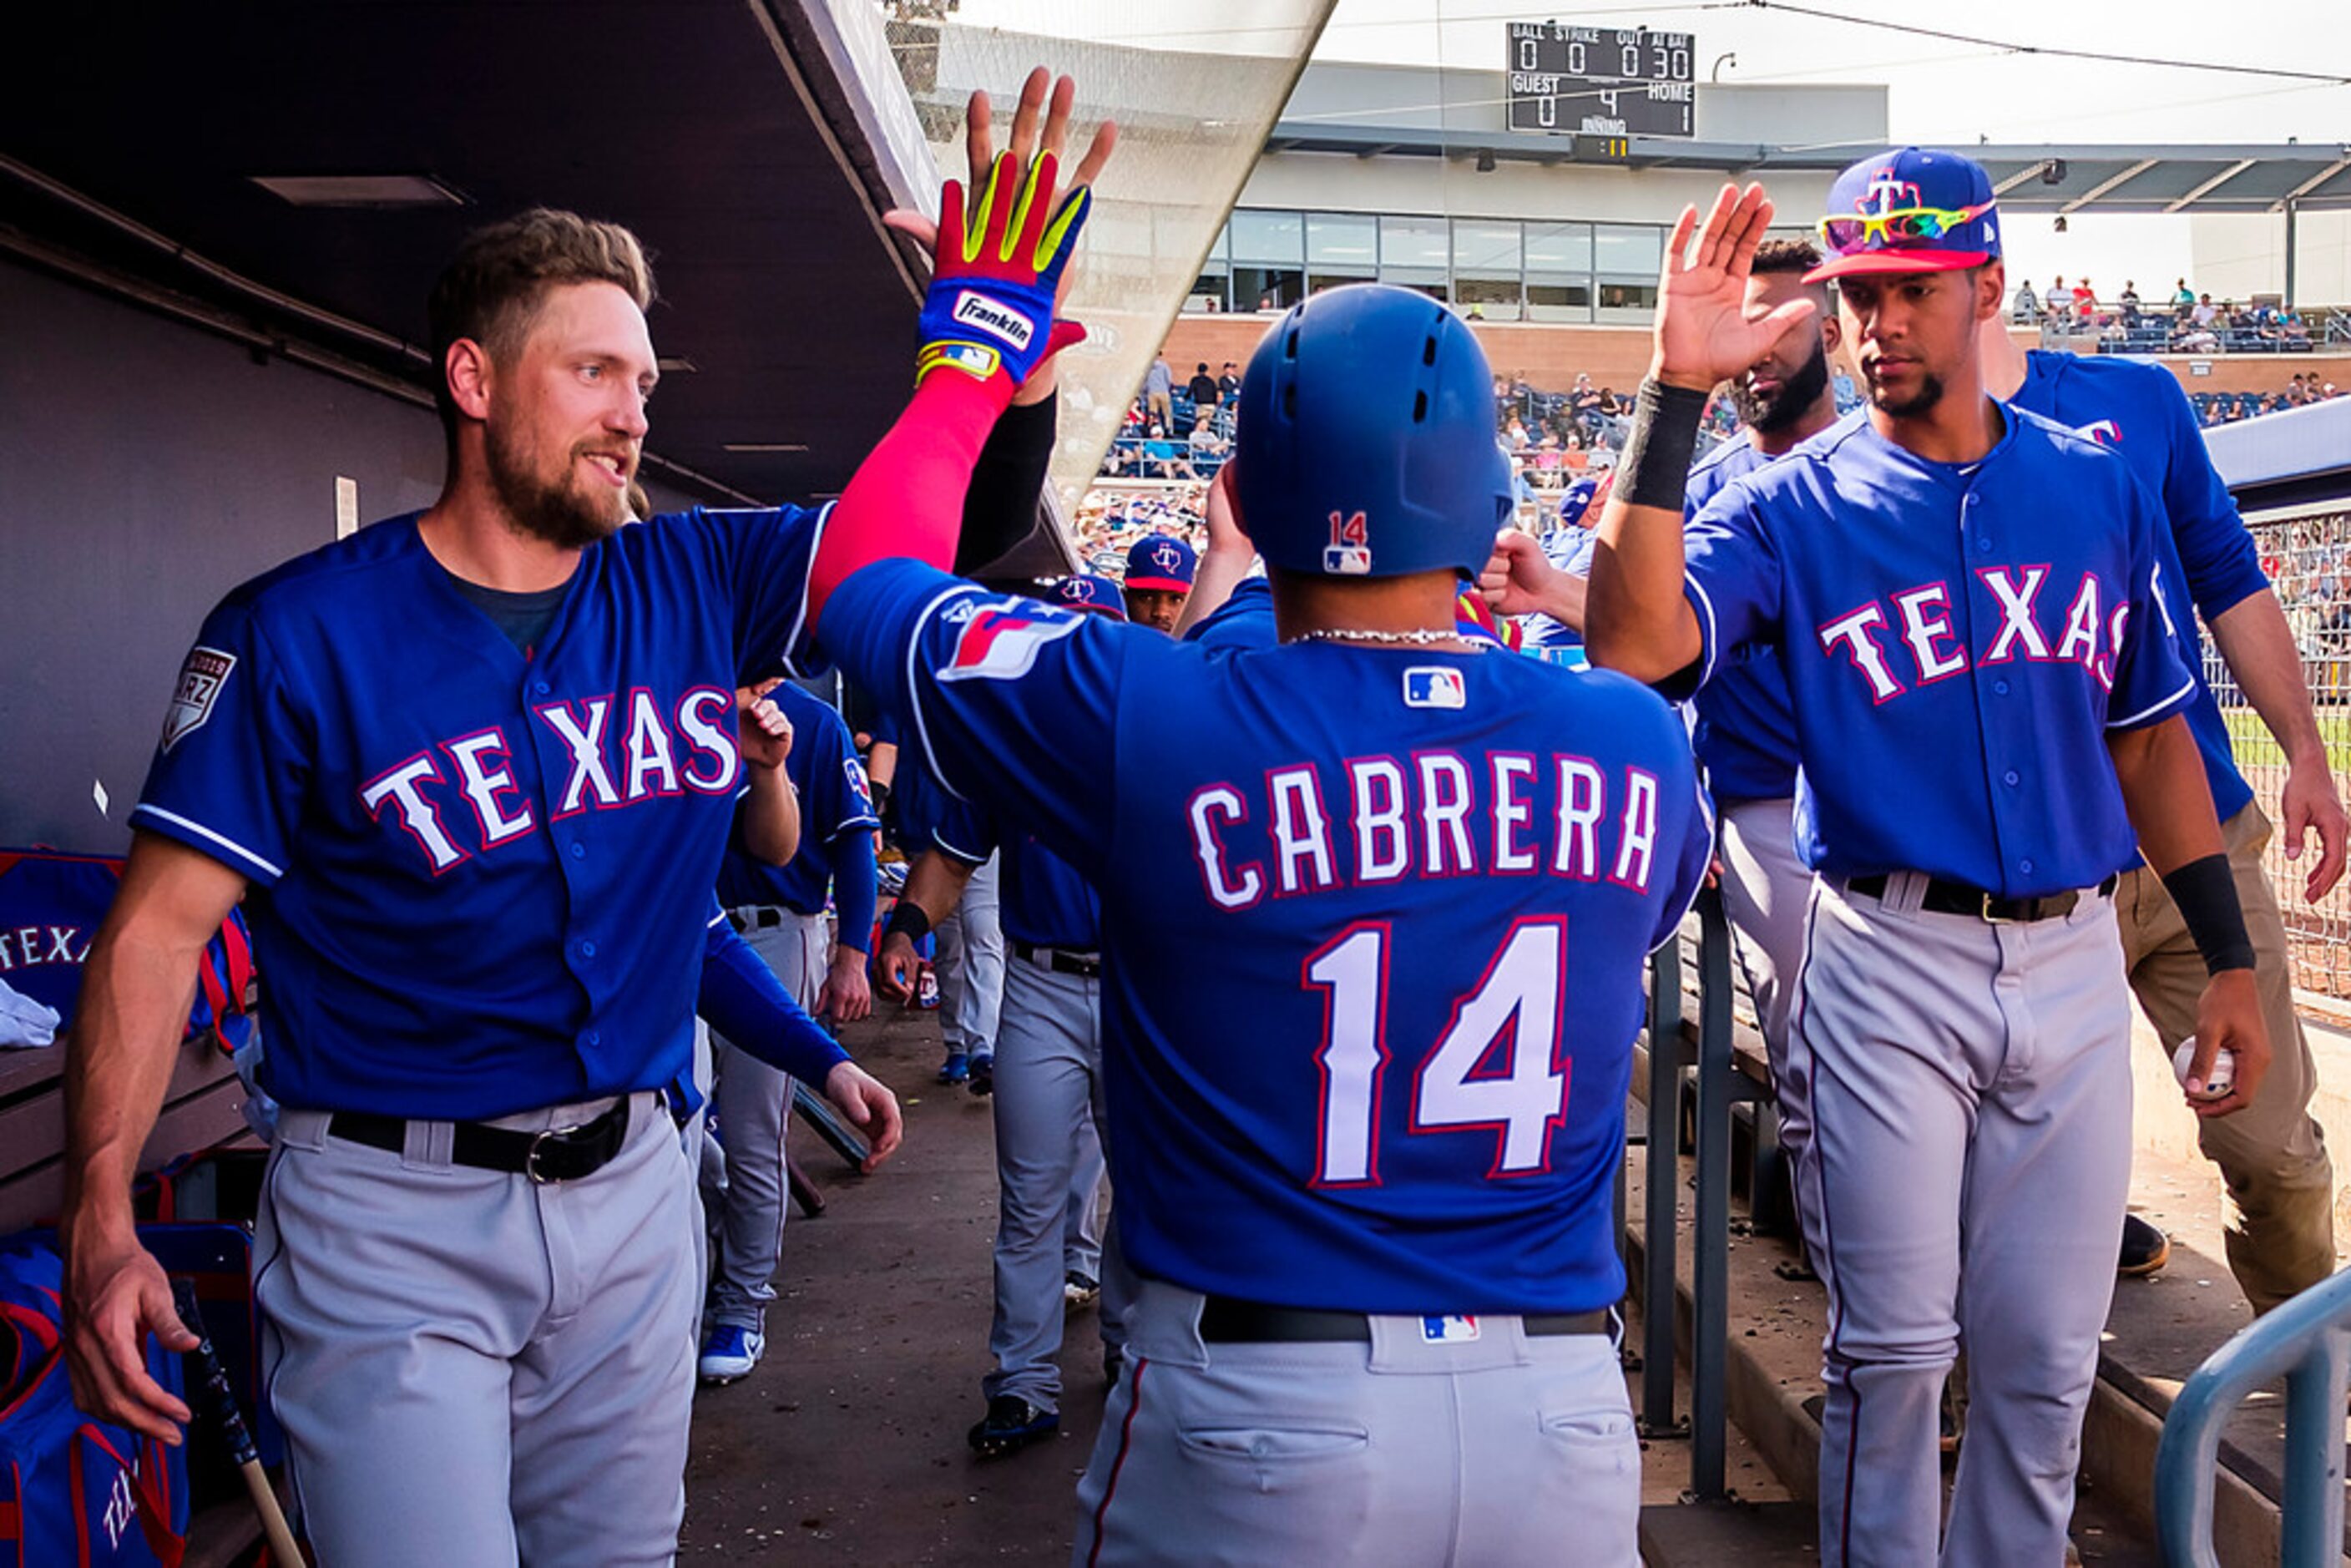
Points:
[(51, 905), (74, 1491)]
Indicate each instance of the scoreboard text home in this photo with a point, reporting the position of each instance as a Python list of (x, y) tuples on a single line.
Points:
[(1601, 81)]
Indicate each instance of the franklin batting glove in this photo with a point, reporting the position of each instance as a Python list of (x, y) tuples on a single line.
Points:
[(990, 306)]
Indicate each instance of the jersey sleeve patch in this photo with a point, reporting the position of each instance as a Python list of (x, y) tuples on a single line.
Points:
[(1000, 642), (202, 678)]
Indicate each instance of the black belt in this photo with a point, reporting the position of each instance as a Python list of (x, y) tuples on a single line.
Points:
[(1224, 1321), (758, 917), (559, 1153), (1958, 898), (1061, 960)]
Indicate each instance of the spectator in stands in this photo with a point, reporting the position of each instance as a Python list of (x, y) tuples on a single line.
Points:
[(1207, 450), (2296, 395), (1574, 457), (2085, 304), (2184, 299), (2293, 330), (1159, 453), (2059, 303), (1158, 386), (1514, 434), (2130, 302), (2028, 305), (1203, 392), (1228, 385), (1585, 401)]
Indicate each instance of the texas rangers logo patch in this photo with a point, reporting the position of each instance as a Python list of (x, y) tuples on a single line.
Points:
[(201, 680), (1349, 553), (1435, 685), (2105, 431), (1449, 1329), (1001, 642), (857, 787)]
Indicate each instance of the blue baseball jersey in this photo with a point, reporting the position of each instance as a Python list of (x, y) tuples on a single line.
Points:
[(1957, 647), (834, 803), (1746, 731), (1245, 620), (1567, 548), (480, 881), (2207, 555), (1345, 902), (1041, 900)]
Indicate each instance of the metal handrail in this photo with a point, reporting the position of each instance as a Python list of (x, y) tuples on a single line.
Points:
[(2307, 1342)]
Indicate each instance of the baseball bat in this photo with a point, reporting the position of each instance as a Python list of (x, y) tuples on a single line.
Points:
[(216, 1402)]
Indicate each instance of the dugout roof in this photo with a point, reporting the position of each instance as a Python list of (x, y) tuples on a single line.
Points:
[(2074, 177), (738, 138)]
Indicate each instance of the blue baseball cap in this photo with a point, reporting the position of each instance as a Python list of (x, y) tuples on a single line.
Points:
[(1909, 210), (1099, 594), (1159, 562)]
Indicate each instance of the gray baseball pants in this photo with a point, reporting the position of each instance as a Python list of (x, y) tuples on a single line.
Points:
[(1971, 1093), (970, 964), (1509, 1450), (473, 1370), (754, 1102), (1048, 1098)]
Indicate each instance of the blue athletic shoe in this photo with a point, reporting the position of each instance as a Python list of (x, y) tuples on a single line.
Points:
[(730, 1352), (983, 1075), (1011, 1424), (957, 1068)]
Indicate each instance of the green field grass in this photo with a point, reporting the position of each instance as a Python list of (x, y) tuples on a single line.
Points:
[(2250, 738)]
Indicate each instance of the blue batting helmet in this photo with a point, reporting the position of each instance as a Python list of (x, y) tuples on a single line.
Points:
[(1366, 442)]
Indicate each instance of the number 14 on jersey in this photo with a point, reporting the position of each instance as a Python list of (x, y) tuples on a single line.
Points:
[(1494, 1067)]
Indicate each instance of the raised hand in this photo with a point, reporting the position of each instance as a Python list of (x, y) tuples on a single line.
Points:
[(1702, 334)]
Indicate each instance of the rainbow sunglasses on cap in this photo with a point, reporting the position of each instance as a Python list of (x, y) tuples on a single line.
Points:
[(1909, 210)]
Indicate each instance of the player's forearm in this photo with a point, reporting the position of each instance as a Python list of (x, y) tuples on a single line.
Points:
[(768, 820), (137, 987), (1009, 481), (936, 883), (854, 893), (1636, 619), (2258, 647), (2165, 793), (907, 497), (882, 764), (1219, 573), (742, 999)]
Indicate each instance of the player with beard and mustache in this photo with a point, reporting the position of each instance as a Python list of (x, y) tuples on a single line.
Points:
[(473, 771)]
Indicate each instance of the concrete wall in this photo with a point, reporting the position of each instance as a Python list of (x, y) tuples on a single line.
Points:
[(1342, 182), (147, 467)]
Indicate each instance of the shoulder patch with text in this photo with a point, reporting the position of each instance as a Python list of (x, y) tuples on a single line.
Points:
[(201, 680)]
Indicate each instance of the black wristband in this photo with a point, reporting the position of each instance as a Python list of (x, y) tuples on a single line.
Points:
[(1655, 469), (2206, 891), (908, 921)]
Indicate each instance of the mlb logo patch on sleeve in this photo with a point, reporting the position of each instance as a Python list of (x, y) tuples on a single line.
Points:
[(1435, 685), (1449, 1329), (1001, 641), (201, 680)]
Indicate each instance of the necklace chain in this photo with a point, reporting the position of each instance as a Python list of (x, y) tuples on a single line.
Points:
[(1419, 637)]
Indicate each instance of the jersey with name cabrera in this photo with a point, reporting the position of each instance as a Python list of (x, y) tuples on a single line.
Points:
[(1958, 638), (481, 879), (2207, 555), (1372, 927)]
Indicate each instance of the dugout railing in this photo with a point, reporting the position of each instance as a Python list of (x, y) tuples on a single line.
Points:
[(2307, 1343)]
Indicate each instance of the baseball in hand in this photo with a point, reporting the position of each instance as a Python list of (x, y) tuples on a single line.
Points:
[(2224, 1068)]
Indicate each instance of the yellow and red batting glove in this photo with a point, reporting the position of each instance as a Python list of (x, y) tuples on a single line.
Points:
[(989, 312)]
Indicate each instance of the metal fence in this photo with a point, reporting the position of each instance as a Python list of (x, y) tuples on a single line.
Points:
[(2308, 558)]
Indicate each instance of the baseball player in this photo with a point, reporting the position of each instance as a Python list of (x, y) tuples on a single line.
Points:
[(1367, 1185), (476, 767), (1987, 704), (1158, 578), (780, 911), (2280, 1235), (1047, 1255)]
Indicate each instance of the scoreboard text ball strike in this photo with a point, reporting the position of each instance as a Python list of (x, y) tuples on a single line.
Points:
[(1603, 81)]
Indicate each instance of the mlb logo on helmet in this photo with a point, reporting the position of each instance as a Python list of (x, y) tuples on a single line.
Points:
[(1435, 685), (1349, 554)]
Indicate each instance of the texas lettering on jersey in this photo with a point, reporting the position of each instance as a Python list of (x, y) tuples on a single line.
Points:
[(1431, 814), (29, 946), (1916, 623), (618, 751)]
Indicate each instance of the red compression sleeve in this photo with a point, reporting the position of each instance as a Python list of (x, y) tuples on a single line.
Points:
[(906, 498)]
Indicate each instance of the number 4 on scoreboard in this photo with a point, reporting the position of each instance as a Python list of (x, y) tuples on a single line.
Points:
[(1494, 1066)]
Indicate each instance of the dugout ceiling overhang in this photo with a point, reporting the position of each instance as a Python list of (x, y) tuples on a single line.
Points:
[(2242, 178), (748, 142)]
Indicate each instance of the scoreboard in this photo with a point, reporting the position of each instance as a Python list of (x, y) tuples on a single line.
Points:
[(1601, 81)]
